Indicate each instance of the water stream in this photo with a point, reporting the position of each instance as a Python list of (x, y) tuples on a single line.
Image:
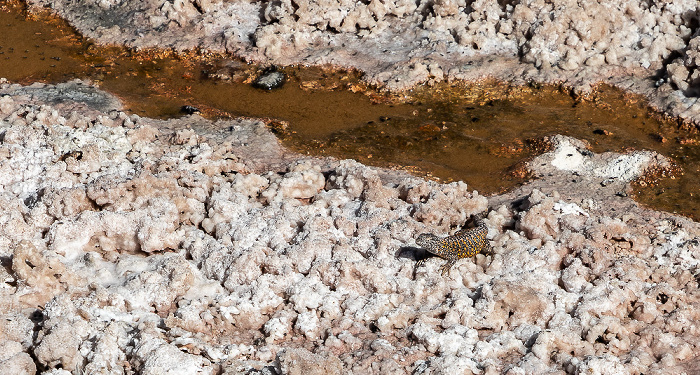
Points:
[(476, 132)]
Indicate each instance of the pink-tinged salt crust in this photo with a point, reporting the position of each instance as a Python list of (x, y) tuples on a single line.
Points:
[(132, 245)]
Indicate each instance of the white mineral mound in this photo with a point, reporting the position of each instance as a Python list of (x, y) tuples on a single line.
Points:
[(185, 247)]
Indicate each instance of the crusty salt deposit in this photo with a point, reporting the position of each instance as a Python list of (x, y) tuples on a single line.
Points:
[(649, 47), (132, 245)]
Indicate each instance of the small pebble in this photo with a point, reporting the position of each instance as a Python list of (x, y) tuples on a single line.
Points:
[(270, 79), (602, 132), (188, 109)]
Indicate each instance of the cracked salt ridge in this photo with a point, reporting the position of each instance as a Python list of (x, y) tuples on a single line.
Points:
[(651, 49), (193, 247)]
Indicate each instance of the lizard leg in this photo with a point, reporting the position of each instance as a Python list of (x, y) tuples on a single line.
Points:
[(488, 249), (445, 269)]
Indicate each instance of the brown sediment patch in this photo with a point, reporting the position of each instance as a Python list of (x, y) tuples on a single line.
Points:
[(678, 192), (476, 132), (36, 49), (481, 133)]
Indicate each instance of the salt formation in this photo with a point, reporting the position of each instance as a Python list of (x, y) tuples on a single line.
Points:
[(132, 245), (648, 47), (684, 72)]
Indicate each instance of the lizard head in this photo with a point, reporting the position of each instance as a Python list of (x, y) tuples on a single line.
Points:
[(427, 240)]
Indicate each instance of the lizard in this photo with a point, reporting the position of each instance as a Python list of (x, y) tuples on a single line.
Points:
[(465, 243)]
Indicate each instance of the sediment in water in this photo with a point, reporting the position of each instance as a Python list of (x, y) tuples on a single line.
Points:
[(476, 132)]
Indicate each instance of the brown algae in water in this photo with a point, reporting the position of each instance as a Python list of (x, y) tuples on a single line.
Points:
[(475, 132)]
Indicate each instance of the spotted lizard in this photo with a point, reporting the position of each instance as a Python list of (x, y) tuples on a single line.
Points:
[(466, 243)]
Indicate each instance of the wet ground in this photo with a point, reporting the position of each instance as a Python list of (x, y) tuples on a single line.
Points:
[(479, 133)]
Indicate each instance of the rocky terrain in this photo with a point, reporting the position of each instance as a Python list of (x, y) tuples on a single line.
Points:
[(132, 245)]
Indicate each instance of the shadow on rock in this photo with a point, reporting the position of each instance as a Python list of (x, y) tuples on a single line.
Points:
[(414, 253)]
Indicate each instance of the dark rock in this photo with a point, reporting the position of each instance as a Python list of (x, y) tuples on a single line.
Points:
[(270, 79), (33, 199), (188, 109)]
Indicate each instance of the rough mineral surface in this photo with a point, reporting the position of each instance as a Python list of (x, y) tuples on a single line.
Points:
[(132, 245), (650, 47)]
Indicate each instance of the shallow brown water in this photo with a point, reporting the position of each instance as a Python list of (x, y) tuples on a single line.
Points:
[(478, 133), (33, 50)]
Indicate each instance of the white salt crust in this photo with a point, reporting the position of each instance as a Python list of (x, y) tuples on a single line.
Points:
[(170, 248)]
